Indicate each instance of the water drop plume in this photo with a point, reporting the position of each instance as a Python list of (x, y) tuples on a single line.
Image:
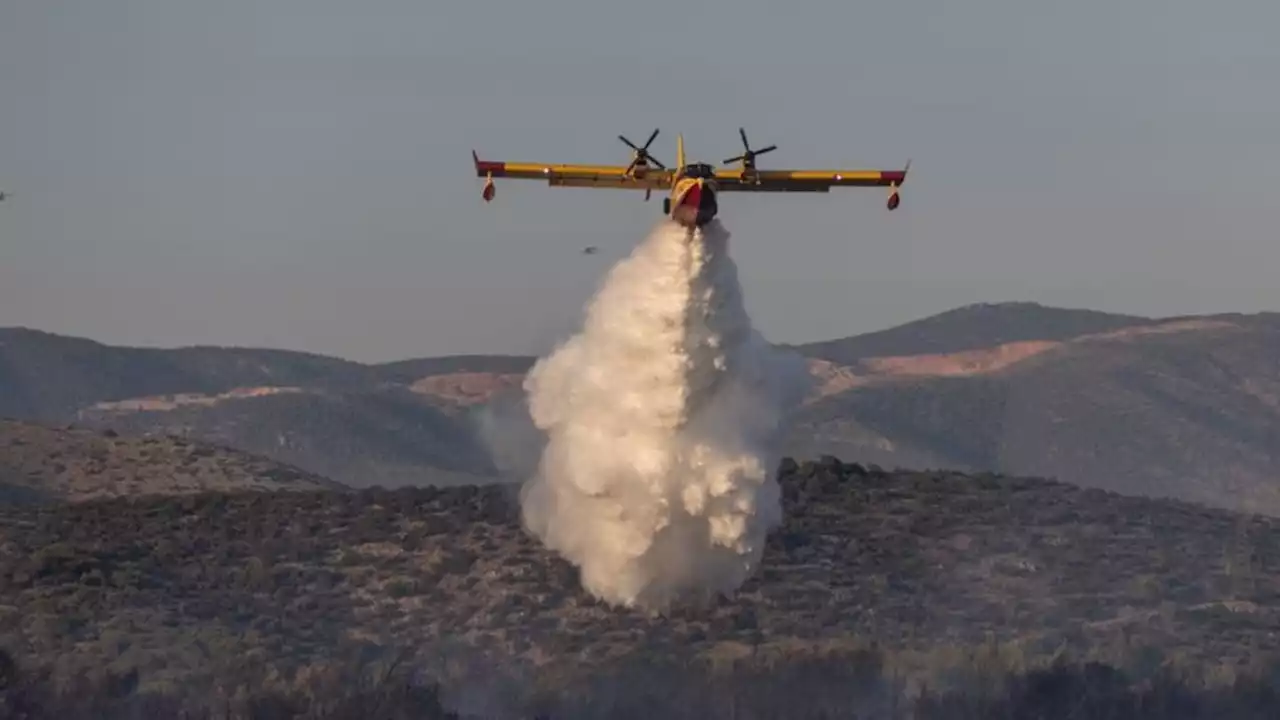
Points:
[(662, 418)]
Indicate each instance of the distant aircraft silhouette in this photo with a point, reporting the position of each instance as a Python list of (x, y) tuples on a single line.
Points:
[(590, 250), (4, 195)]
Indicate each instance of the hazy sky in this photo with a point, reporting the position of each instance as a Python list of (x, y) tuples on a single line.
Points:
[(297, 173)]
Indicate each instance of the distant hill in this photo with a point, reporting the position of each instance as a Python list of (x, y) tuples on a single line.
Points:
[(39, 463), (971, 327), (408, 371), (50, 377), (393, 424), (387, 437), (1182, 406)]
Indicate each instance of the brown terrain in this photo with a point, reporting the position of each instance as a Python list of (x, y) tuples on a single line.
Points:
[(465, 389), (1175, 407), (881, 587), (836, 379), (43, 463), (1185, 408)]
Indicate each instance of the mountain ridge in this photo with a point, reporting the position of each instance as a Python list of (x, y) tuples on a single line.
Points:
[(969, 327), (1046, 394)]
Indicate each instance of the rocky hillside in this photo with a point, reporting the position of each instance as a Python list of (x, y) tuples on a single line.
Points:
[(1186, 408), (943, 575), (972, 327), (1180, 407), (388, 436), (39, 463), (394, 424)]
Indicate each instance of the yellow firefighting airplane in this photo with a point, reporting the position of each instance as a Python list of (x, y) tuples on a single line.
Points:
[(693, 186)]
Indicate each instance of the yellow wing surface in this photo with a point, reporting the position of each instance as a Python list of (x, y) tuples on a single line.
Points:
[(597, 176), (731, 180)]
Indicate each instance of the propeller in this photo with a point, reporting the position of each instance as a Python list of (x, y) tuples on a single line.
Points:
[(642, 158), (748, 158)]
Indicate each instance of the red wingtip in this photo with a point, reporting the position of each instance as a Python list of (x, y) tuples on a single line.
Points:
[(488, 167), (895, 178)]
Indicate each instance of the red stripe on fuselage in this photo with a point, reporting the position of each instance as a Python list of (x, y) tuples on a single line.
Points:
[(692, 197)]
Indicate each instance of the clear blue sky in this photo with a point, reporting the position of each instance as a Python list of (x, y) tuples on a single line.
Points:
[(297, 173)]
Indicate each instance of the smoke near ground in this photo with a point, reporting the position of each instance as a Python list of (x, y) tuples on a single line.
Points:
[(661, 419)]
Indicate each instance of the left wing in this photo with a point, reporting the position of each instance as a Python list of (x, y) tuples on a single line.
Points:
[(806, 180), (596, 176)]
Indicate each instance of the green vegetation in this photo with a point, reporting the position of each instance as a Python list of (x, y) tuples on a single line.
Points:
[(861, 685), (965, 594)]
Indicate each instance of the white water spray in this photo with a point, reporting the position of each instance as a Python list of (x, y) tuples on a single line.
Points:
[(661, 418)]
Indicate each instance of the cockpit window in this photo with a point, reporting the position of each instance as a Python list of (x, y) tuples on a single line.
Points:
[(699, 170)]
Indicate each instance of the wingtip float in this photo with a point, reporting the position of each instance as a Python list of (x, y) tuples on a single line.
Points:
[(692, 187)]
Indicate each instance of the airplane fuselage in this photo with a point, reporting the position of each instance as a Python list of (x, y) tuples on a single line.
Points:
[(693, 201)]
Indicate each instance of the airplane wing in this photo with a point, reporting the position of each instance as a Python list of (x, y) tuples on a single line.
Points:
[(734, 180), (595, 176)]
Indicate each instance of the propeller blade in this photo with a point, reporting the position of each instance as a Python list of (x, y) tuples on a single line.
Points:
[(734, 159), (743, 133), (641, 157), (765, 150)]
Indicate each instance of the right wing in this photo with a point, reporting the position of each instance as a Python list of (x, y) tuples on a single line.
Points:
[(562, 175)]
